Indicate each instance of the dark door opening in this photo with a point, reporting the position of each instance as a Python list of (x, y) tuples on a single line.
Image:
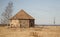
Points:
[(31, 23)]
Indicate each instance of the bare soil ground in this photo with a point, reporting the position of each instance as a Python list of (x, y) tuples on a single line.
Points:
[(41, 31)]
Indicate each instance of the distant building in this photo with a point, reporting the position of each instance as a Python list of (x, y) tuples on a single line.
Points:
[(22, 19)]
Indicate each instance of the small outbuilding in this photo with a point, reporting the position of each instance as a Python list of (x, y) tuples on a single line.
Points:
[(22, 19)]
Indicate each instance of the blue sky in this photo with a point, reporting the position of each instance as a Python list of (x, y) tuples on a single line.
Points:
[(43, 11)]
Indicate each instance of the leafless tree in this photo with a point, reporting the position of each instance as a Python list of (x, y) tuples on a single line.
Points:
[(7, 13)]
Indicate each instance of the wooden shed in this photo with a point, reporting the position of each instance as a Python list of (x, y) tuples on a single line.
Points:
[(22, 19)]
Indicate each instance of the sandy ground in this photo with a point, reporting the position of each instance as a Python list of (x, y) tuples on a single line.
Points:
[(42, 31)]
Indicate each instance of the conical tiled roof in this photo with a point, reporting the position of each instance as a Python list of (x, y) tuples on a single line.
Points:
[(22, 15)]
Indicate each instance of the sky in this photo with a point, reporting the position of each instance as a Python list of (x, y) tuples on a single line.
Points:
[(43, 11)]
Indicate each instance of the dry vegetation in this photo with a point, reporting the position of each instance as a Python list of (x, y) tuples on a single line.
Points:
[(42, 31)]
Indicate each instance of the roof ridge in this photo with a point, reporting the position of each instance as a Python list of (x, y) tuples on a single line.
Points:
[(20, 13)]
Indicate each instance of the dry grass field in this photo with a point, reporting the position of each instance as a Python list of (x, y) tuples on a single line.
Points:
[(41, 31)]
